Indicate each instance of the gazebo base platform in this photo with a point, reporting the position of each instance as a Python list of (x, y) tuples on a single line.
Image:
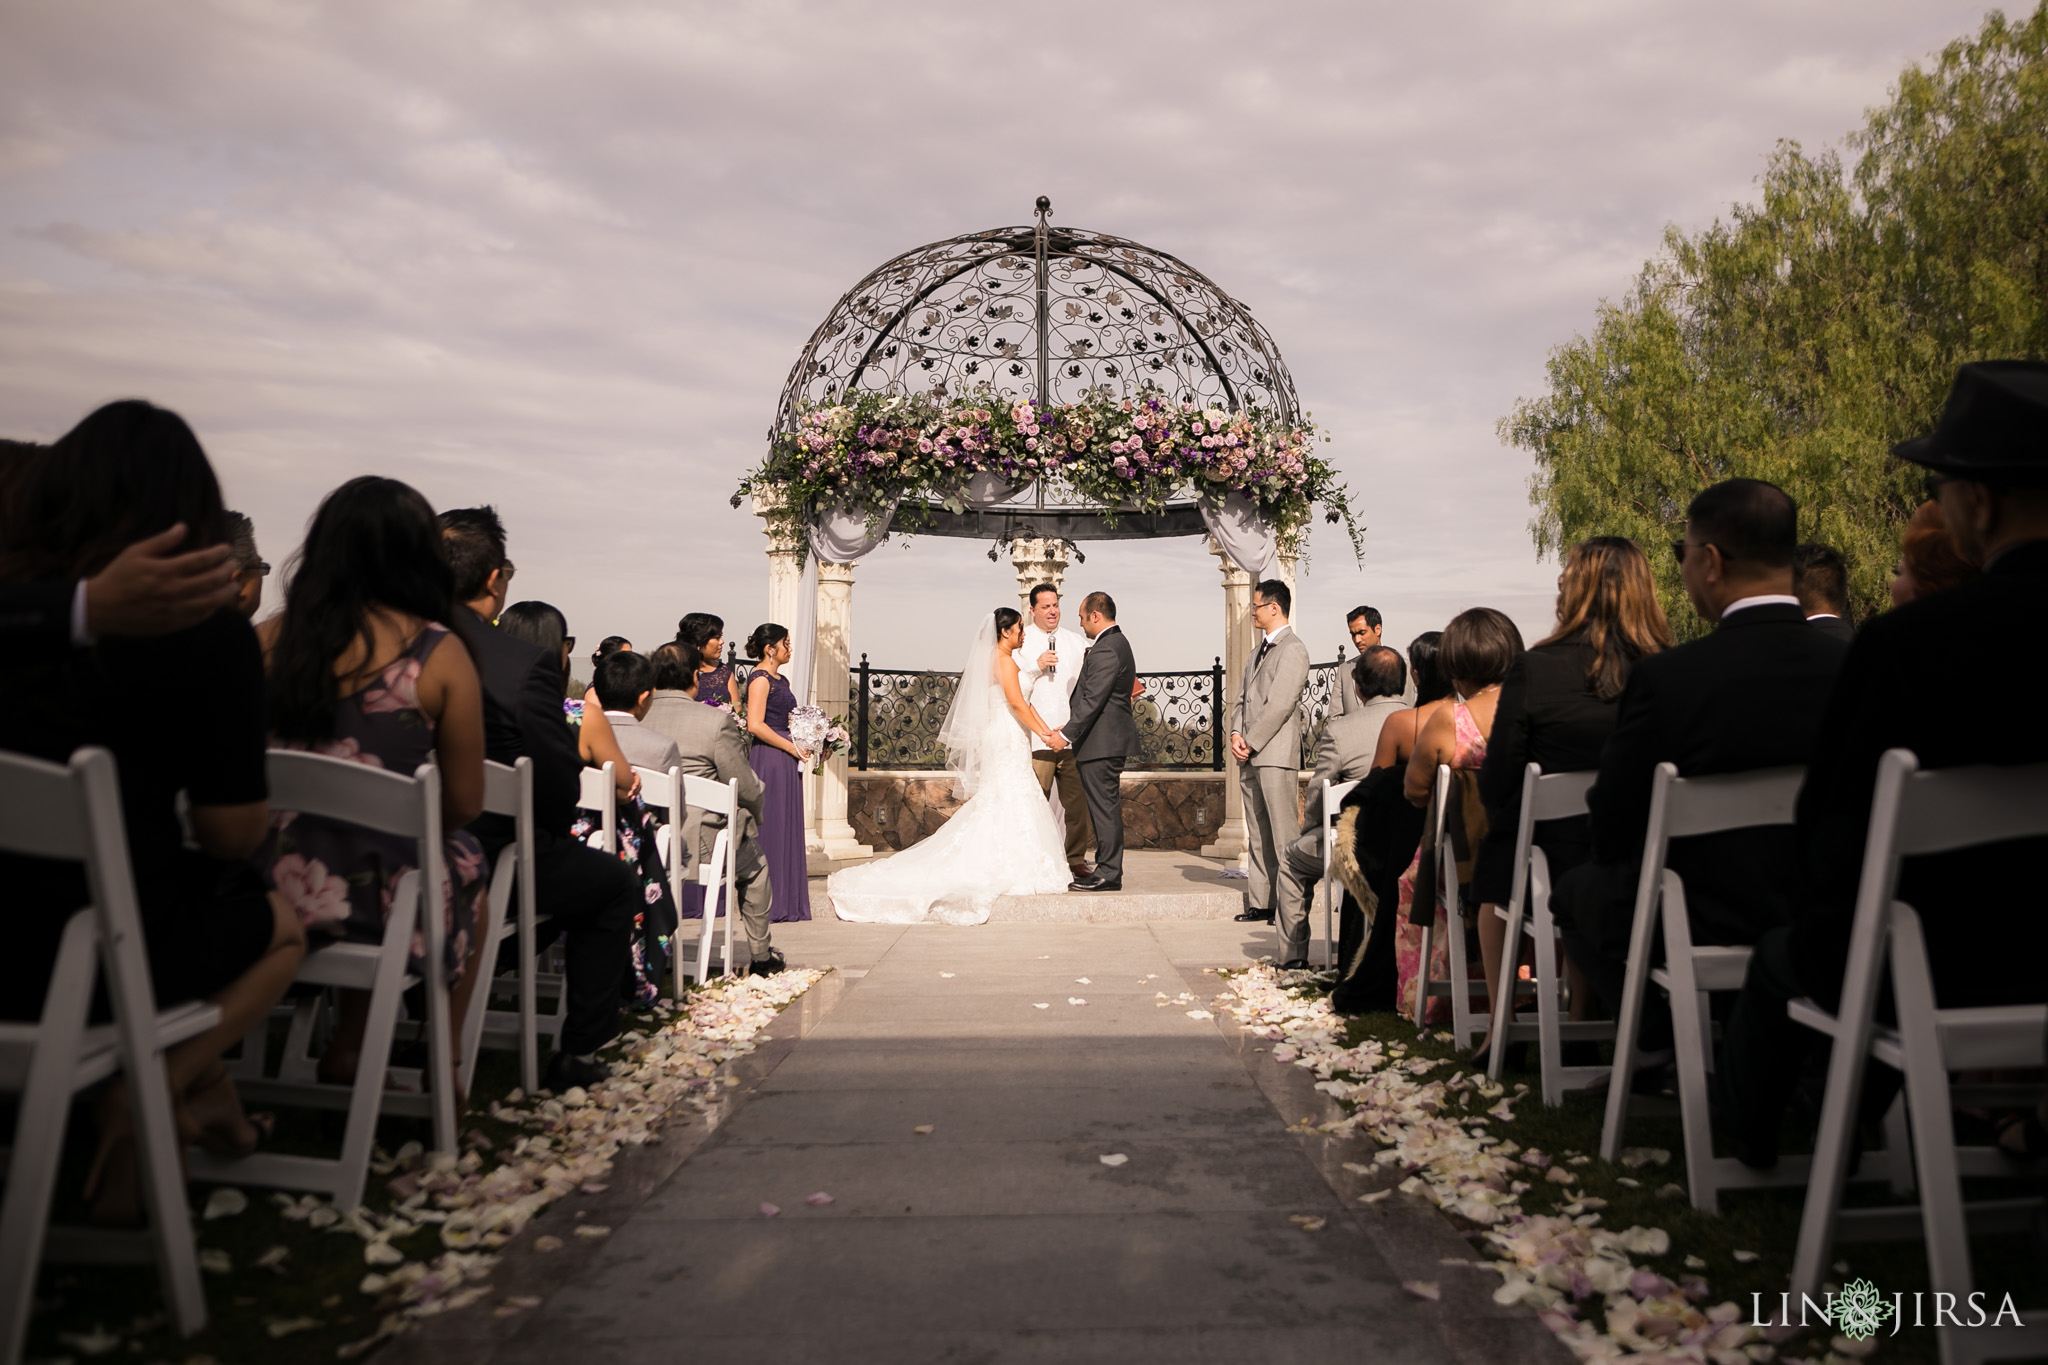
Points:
[(1159, 884)]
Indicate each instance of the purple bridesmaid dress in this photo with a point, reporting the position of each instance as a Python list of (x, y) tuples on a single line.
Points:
[(782, 812)]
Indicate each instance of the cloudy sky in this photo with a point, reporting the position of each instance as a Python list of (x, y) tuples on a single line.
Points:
[(560, 256)]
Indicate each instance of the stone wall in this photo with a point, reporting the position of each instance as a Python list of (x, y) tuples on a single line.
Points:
[(894, 810)]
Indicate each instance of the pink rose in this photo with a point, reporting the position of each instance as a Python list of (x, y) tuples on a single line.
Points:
[(318, 895), (349, 751)]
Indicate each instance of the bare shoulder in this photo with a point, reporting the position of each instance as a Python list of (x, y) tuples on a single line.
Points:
[(1006, 663)]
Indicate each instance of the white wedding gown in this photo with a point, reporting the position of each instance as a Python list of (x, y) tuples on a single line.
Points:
[(1003, 842)]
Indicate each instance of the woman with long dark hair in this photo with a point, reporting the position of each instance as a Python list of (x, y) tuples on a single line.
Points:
[(1557, 706), (717, 682), (779, 762), (182, 712), (367, 663)]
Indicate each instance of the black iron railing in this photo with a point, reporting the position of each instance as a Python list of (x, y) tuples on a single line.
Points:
[(897, 714)]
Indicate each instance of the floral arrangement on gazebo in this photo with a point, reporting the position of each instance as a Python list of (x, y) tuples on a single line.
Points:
[(896, 455)]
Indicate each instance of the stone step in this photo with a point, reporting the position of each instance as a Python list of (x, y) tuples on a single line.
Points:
[(1102, 907)]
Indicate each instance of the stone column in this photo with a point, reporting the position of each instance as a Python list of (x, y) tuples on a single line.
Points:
[(829, 688), (1038, 561), (785, 566), (1238, 637)]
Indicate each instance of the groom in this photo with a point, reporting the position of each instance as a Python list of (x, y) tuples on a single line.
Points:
[(1103, 735)]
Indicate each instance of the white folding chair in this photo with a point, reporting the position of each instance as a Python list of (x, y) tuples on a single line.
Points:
[(509, 792), (1553, 797), (599, 794), (662, 791), (1333, 797), (718, 875), (1680, 808), (410, 807), (1465, 1020), (1916, 813), (73, 813)]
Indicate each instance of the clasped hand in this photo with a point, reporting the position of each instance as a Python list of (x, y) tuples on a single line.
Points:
[(1240, 750), (1057, 741)]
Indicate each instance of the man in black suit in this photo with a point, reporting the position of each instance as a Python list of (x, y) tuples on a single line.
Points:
[(1820, 580), (1979, 908), (1103, 735), (1748, 696), (583, 892)]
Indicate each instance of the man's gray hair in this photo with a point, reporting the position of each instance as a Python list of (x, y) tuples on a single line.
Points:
[(242, 540)]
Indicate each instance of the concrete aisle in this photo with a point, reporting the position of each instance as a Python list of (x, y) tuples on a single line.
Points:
[(1001, 1236)]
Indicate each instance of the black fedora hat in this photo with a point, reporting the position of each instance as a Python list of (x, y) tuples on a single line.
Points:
[(1994, 426)]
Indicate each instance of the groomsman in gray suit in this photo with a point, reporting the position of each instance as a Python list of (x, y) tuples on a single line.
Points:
[(1344, 755), (1265, 739)]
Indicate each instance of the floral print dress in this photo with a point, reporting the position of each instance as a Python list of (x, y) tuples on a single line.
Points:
[(653, 926), (341, 877)]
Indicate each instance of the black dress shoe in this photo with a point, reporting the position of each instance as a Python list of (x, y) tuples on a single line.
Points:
[(566, 1071), (1299, 964), (767, 966), (1098, 882), (1255, 917)]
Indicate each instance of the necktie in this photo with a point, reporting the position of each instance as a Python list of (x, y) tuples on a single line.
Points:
[(1260, 657)]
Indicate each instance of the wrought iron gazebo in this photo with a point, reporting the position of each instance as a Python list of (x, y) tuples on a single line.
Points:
[(1047, 313), (1054, 315)]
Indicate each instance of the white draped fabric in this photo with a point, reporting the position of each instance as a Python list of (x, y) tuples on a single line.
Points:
[(1245, 535), (842, 537)]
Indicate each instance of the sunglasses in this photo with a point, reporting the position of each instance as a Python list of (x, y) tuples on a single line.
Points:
[(1678, 549)]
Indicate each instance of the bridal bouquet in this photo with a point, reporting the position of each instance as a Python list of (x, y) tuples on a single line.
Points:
[(819, 735)]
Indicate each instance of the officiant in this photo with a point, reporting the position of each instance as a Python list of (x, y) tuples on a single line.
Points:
[(1050, 660)]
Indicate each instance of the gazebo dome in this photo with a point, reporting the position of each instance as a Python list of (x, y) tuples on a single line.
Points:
[(1041, 312)]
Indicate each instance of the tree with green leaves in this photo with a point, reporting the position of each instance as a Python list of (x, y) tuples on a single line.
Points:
[(1797, 341)]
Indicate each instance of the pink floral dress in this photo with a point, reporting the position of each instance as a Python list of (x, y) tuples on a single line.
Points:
[(1470, 753), (341, 877)]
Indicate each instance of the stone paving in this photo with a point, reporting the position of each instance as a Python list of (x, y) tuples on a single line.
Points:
[(1002, 1235)]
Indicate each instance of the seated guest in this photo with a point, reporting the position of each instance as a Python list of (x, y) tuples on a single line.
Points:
[(1344, 754), (367, 662), (625, 685), (1979, 907), (717, 683), (144, 591), (1820, 580), (250, 570), (579, 892), (181, 712), (1557, 708), (711, 746), (1929, 561), (1750, 695), (1385, 832), (1478, 648), (675, 684)]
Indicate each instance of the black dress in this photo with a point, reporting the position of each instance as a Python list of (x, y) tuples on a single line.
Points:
[(1549, 714), (181, 712)]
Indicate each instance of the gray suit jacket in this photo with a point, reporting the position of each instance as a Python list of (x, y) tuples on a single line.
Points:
[(709, 745), (1267, 709), (643, 745), (1345, 753), (1099, 723)]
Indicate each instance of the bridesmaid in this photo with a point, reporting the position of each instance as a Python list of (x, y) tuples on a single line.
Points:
[(780, 764), (717, 684)]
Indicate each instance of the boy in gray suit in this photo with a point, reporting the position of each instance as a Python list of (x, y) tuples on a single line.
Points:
[(1265, 739)]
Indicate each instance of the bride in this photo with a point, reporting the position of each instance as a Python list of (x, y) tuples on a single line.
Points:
[(1004, 841)]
